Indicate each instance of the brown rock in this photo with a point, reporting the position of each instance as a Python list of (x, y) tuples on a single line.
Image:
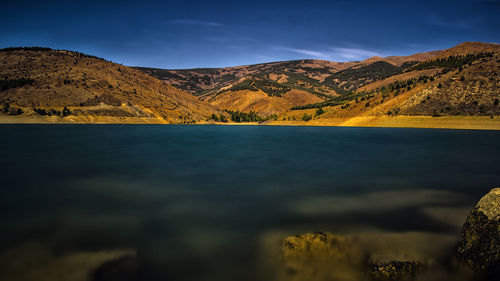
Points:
[(479, 245)]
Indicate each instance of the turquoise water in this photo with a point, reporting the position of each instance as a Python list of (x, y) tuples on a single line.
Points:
[(196, 202)]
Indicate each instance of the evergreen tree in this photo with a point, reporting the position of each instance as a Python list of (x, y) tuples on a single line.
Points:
[(66, 112), (319, 111), (214, 117)]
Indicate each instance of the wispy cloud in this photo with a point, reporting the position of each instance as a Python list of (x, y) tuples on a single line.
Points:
[(449, 23), (353, 53), (312, 53), (333, 53), (196, 22)]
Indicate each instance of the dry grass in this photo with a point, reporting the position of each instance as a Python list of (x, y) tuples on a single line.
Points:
[(448, 122), (262, 103), (68, 79)]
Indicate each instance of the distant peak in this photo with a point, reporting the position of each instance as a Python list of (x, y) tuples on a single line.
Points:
[(476, 43), (470, 48)]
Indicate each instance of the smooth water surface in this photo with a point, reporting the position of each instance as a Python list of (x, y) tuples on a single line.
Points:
[(196, 202)]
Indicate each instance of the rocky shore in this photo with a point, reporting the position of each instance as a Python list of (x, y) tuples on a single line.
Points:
[(475, 255), (479, 245)]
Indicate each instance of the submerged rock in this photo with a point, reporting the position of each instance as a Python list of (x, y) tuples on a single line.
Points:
[(395, 270), (401, 256), (479, 244), (323, 256), (379, 257)]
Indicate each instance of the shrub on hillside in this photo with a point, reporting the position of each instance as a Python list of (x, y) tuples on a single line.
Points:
[(451, 62), (6, 84), (319, 111), (238, 116), (66, 111)]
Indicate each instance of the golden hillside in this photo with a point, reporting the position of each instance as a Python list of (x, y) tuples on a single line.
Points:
[(273, 88), (400, 60), (458, 83), (469, 48), (462, 86), (41, 83), (258, 101)]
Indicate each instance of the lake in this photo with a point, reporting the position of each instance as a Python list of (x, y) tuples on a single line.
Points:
[(198, 202)]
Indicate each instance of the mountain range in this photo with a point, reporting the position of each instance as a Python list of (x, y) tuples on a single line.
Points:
[(45, 84)]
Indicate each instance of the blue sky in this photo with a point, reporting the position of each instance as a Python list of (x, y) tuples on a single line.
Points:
[(189, 34)]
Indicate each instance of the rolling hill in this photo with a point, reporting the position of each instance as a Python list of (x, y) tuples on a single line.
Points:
[(272, 88), (451, 88), (54, 85), (461, 83), (458, 82)]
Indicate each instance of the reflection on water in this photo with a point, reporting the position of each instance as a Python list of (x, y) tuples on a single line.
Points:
[(199, 202)]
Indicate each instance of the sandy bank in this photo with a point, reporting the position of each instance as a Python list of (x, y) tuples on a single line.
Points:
[(79, 120), (446, 122)]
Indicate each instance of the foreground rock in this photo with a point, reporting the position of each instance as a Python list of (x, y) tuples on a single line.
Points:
[(394, 270), (479, 245), (377, 257), (323, 256), (401, 256)]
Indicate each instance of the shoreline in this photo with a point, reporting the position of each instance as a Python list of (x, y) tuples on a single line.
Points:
[(422, 122)]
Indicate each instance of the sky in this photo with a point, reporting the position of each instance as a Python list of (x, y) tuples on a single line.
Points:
[(193, 34)]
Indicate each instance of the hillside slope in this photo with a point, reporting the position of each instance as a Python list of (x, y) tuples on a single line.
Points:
[(272, 88), (452, 87), (461, 83), (70, 86)]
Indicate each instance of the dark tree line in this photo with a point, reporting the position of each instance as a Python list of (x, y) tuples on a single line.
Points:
[(451, 62), (44, 49), (376, 70), (354, 78), (218, 118), (271, 88), (50, 112), (12, 49), (406, 84), (338, 100), (6, 83), (7, 109), (238, 117)]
